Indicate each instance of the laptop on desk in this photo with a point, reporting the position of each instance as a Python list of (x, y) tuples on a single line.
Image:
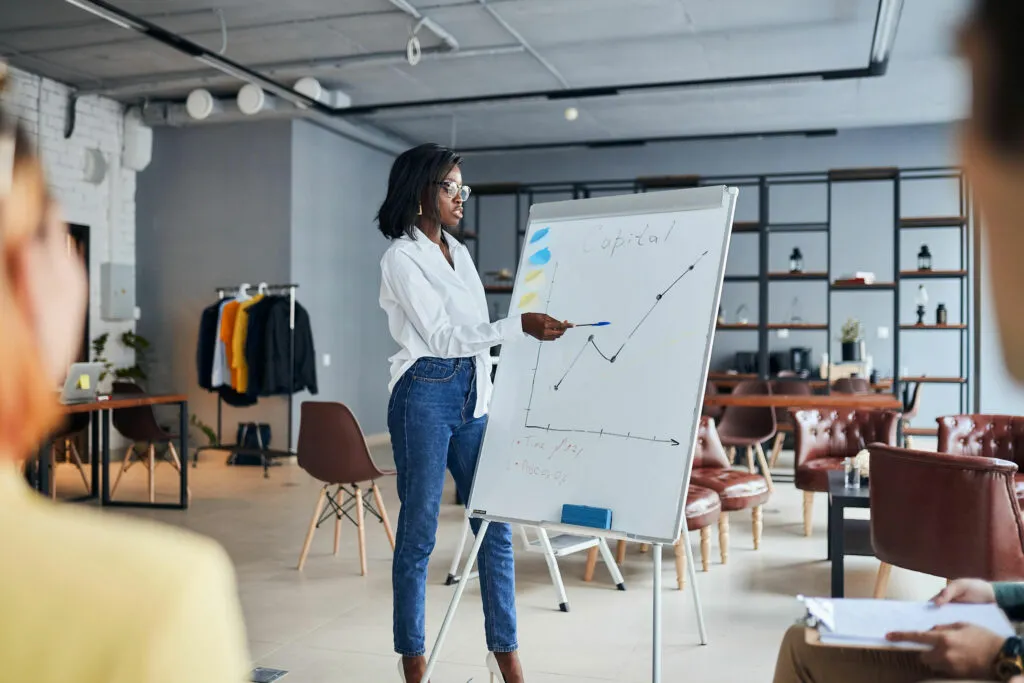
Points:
[(81, 385)]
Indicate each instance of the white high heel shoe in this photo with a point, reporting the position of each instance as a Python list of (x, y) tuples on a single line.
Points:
[(494, 669)]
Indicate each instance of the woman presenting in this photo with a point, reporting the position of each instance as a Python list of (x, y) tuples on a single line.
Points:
[(440, 388)]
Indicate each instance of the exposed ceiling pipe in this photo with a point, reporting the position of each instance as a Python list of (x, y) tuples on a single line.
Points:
[(428, 23), (135, 85), (886, 23), (522, 41)]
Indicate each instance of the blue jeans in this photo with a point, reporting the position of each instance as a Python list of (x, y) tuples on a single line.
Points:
[(431, 421)]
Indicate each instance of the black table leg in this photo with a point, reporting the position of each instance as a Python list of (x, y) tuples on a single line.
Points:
[(94, 453), (183, 437), (836, 549), (104, 418), (43, 469), (829, 536)]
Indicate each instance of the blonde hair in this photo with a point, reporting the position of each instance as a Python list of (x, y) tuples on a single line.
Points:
[(28, 405)]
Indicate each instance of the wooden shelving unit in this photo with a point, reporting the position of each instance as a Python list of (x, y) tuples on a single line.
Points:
[(951, 326), (931, 274), (797, 326), (806, 276), (737, 326), (933, 222)]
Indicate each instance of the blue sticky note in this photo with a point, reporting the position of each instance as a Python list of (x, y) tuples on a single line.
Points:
[(541, 257), (539, 235)]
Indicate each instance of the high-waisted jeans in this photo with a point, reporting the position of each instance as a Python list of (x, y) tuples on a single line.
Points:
[(431, 421)]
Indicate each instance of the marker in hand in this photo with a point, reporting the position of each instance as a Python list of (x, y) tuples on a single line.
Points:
[(601, 324)]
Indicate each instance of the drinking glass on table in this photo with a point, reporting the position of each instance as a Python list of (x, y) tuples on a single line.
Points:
[(852, 473)]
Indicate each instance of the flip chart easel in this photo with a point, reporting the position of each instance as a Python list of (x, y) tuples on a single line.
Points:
[(612, 409)]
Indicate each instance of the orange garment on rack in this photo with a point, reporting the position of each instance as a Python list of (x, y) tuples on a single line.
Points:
[(227, 333), (239, 366)]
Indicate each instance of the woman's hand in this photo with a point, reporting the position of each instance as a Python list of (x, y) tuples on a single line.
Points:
[(966, 590), (543, 327), (957, 650)]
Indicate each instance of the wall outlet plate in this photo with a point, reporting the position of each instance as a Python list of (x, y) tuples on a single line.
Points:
[(327, 360)]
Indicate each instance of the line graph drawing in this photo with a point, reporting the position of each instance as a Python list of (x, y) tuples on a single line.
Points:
[(611, 359), (591, 343)]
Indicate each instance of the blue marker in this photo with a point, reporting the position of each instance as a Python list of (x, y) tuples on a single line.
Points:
[(601, 324)]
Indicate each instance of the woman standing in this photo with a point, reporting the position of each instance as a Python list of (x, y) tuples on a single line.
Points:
[(440, 388)]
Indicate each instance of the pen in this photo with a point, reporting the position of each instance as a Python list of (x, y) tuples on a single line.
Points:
[(601, 324)]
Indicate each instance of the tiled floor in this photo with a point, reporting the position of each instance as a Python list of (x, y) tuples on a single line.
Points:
[(329, 624)]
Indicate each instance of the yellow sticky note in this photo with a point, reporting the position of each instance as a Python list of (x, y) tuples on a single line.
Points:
[(83, 381)]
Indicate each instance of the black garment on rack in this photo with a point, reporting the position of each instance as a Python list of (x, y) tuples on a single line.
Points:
[(256, 343), (276, 373), (206, 345)]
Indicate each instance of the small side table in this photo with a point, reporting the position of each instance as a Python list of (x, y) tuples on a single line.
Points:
[(846, 536)]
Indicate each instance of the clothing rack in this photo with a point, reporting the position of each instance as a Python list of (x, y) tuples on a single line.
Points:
[(266, 454)]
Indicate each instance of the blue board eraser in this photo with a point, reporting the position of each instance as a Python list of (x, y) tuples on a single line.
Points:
[(583, 515)]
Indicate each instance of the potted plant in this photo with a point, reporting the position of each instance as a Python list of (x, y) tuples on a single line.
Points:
[(850, 336)]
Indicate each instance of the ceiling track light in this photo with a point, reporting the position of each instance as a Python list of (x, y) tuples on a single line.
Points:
[(118, 17), (887, 21)]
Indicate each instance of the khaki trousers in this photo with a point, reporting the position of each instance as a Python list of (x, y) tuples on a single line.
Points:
[(802, 663)]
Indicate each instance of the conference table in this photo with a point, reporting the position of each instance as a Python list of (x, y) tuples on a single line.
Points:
[(878, 401), (100, 411)]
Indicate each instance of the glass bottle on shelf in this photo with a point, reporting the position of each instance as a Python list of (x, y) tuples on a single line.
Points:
[(741, 314), (795, 311), (796, 261), (924, 258), (941, 315)]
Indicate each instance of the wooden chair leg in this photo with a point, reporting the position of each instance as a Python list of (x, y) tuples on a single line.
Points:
[(705, 548), (780, 439), (723, 537), (152, 473), (907, 441), (339, 498), (312, 527), (53, 472), (383, 514), (125, 464), (644, 547), (758, 525), (750, 460), (730, 453), (360, 523), (78, 463), (588, 573), (681, 560), (808, 512), (620, 552), (763, 461), (176, 463), (882, 581)]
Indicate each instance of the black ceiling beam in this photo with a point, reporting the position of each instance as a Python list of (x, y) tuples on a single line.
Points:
[(873, 69), (640, 142)]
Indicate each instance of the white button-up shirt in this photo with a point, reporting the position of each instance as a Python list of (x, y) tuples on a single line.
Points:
[(436, 311)]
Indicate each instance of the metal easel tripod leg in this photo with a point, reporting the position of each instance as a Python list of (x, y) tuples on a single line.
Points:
[(454, 604)]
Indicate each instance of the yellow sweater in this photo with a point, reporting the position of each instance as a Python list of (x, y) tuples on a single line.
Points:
[(91, 597), (239, 365)]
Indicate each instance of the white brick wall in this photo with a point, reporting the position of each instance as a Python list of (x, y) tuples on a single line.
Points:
[(108, 208)]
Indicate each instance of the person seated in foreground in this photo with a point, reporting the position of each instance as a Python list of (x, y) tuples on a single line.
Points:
[(961, 651)]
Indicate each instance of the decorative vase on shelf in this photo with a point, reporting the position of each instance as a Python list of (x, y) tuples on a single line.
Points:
[(796, 261), (794, 311), (941, 315), (851, 341), (924, 258), (741, 314), (921, 300)]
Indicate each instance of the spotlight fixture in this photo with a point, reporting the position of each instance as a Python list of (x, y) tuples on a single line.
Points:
[(572, 113), (252, 100), (201, 104), (413, 50)]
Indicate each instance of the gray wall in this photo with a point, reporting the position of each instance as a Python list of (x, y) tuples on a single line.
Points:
[(214, 208), (337, 187), (861, 239)]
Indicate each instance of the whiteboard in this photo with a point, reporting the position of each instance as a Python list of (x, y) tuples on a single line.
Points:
[(608, 416)]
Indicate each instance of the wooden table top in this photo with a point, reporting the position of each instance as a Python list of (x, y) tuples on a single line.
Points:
[(117, 401), (887, 401)]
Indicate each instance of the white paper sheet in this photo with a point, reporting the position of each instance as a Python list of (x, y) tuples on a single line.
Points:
[(865, 623)]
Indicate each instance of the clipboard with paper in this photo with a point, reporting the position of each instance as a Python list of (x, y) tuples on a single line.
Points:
[(861, 623)]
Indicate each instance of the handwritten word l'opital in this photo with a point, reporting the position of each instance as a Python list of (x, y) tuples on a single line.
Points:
[(599, 240)]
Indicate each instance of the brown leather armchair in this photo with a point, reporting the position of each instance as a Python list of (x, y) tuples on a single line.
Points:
[(950, 516), (986, 436), (827, 436), (736, 490)]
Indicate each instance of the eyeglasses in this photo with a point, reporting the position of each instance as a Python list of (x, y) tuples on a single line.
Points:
[(453, 189)]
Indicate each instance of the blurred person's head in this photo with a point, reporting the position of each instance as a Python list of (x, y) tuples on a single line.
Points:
[(42, 297), (993, 152)]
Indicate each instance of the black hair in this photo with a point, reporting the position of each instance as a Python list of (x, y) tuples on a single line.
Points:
[(1000, 108), (413, 183)]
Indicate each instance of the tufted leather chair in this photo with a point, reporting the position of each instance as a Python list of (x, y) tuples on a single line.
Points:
[(951, 516), (827, 436), (986, 436), (851, 385), (783, 424), (736, 490)]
